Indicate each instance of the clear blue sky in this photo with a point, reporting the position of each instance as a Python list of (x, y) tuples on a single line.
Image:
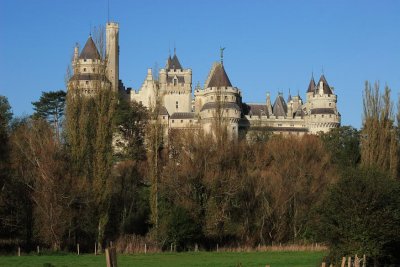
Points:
[(270, 45)]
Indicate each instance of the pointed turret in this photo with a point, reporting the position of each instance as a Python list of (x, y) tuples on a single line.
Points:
[(173, 63), (325, 86), (289, 97), (218, 77), (89, 51), (311, 86), (269, 105)]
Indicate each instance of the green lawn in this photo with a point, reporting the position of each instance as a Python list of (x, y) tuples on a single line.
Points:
[(187, 259)]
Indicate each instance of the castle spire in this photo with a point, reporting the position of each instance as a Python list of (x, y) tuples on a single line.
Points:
[(222, 54), (311, 85), (289, 97)]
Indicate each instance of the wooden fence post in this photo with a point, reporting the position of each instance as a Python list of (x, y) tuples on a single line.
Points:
[(37, 249), (217, 247), (349, 262), (111, 257), (356, 261), (19, 251), (145, 248), (77, 248), (364, 261), (343, 262)]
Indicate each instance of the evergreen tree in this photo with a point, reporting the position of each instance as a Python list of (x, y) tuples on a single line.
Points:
[(131, 122), (50, 107), (5, 168), (343, 143), (5, 118), (361, 215)]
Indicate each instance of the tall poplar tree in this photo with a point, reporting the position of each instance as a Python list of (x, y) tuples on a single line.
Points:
[(378, 142)]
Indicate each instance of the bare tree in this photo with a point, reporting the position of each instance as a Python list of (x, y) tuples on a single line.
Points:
[(379, 143)]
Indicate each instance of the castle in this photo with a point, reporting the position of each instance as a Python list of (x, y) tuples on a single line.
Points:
[(181, 108)]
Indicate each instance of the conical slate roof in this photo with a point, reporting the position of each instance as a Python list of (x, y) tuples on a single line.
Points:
[(173, 63), (219, 78), (280, 107), (327, 89), (90, 50), (311, 86)]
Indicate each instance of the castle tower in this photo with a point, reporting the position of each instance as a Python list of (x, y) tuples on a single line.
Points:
[(220, 102), (176, 86), (322, 113), (89, 70), (112, 54)]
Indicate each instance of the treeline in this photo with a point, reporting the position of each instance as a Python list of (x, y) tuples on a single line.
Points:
[(105, 171)]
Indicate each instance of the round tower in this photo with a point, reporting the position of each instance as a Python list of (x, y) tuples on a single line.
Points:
[(322, 113), (89, 70), (221, 106)]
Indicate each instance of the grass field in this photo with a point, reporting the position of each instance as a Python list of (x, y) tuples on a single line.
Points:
[(187, 259)]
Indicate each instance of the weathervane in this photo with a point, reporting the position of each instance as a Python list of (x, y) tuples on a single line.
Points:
[(222, 54)]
